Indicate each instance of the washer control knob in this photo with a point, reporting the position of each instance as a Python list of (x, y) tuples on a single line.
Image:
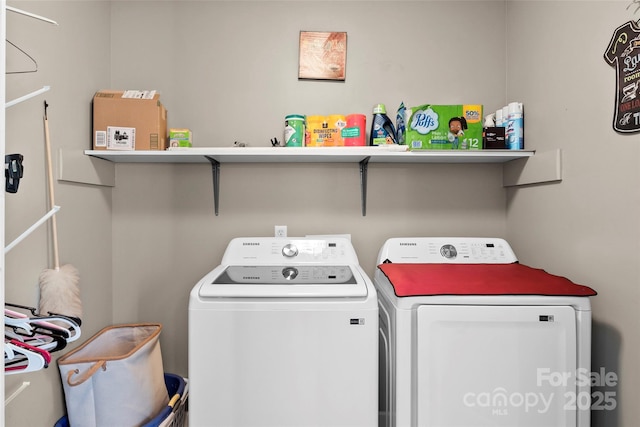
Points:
[(290, 273), (289, 250)]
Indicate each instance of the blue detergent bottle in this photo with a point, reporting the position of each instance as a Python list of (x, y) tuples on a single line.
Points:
[(382, 130)]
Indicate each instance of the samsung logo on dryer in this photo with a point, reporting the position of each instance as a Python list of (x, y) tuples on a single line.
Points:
[(250, 277), (250, 244), (408, 244)]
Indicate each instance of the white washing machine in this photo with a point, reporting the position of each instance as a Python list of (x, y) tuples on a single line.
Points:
[(284, 333), (472, 338)]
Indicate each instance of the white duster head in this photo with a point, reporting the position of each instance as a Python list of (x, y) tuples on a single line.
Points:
[(60, 291)]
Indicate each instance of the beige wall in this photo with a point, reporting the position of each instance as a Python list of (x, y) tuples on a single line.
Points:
[(231, 74), (228, 71), (71, 59), (584, 228)]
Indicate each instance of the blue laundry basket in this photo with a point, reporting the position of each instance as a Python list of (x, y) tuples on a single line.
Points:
[(172, 415)]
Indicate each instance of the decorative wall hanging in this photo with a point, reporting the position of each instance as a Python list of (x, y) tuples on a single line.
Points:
[(623, 53), (323, 55)]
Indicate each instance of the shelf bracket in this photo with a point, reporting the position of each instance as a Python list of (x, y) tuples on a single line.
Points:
[(364, 165), (543, 168), (215, 171)]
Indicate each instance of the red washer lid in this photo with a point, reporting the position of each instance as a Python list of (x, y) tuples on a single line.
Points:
[(478, 279)]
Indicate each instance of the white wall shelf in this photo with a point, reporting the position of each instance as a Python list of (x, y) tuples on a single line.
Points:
[(361, 155), (309, 154)]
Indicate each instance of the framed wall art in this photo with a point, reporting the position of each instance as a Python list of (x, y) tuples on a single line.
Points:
[(623, 53), (323, 55)]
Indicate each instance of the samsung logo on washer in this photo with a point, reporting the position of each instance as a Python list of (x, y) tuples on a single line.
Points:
[(408, 244), (250, 244)]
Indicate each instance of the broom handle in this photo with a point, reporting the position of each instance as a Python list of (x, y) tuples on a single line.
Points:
[(54, 226)]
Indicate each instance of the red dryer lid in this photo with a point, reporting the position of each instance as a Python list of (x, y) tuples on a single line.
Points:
[(478, 279)]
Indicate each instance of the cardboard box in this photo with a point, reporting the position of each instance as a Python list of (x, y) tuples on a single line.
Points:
[(129, 120), (444, 127)]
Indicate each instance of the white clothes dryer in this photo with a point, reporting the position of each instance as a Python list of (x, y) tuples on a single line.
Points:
[(284, 333), (472, 338)]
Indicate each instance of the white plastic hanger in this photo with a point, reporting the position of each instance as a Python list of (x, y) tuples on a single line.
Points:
[(73, 331), (32, 361), (42, 341), (19, 320), (18, 323)]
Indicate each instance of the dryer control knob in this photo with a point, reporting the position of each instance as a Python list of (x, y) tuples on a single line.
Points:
[(290, 273), (448, 251), (289, 250)]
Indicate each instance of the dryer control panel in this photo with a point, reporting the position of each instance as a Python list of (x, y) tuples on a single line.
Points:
[(454, 250), (289, 251)]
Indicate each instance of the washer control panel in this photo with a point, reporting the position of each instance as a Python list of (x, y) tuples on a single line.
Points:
[(457, 250), (286, 275), (290, 251)]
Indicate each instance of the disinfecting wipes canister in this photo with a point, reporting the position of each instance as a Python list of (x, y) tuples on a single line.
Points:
[(294, 130)]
